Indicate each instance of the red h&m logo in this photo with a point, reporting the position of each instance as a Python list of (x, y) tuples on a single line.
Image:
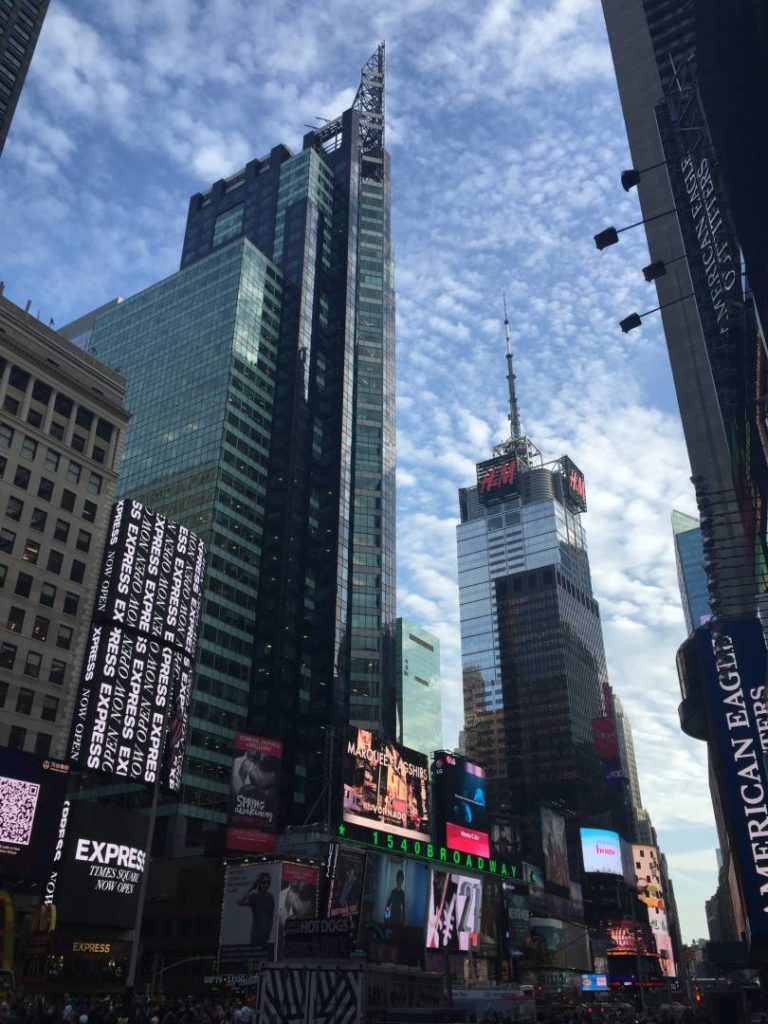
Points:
[(499, 476), (576, 484)]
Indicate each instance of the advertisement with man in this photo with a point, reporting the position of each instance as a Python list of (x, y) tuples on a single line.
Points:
[(346, 888), (32, 793), (459, 797), (254, 794), (455, 903), (393, 910), (386, 786), (98, 874), (249, 919), (555, 847)]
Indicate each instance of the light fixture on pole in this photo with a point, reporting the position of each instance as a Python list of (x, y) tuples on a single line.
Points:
[(629, 323), (610, 236), (632, 177), (659, 267)]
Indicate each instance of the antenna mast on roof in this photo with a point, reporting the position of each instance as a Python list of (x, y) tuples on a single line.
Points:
[(517, 444)]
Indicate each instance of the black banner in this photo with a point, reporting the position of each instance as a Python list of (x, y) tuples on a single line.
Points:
[(32, 794)]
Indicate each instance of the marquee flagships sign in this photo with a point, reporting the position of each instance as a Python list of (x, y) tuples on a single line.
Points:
[(131, 710), (734, 666)]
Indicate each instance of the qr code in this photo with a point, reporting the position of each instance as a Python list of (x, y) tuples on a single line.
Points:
[(18, 800)]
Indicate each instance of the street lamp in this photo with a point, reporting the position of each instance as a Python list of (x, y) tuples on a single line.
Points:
[(659, 268), (632, 177)]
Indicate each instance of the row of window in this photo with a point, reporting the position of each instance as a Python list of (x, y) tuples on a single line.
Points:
[(17, 737), (29, 450), (25, 699), (31, 554), (48, 591), (9, 653), (40, 628)]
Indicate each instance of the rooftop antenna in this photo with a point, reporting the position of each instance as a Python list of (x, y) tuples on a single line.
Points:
[(514, 414)]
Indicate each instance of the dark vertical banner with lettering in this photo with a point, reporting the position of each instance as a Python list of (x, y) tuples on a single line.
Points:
[(132, 707), (733, 667)]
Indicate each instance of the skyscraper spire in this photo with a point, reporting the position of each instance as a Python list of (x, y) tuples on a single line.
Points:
[(514, 414)]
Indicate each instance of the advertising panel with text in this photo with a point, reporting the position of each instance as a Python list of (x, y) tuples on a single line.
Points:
[(254, 794), (459, 797)]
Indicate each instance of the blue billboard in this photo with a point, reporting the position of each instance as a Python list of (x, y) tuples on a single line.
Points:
[(733, 665), (594, 982)]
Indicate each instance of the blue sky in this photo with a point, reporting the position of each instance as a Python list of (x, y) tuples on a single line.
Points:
[(507, 141)]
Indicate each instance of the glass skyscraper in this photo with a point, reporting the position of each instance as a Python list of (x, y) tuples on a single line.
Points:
[(20, 24), (689, 556), (261, 383), (419, 691)]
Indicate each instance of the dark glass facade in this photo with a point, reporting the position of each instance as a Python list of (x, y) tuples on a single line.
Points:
[(20, 24), (299, 629)]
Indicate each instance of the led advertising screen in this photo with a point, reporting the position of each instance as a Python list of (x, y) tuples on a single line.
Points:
[(394, 907), (496, 478), (555, 847), (32, 793), (594, 982), (605, 737), (601, 850), (346, 887), (574, 488), (100, 869), (650, 894), (298, 897), (459, 799), (249, 920), (132, 706), (455, 903), (547, 943), (386, 786), (254, 794)]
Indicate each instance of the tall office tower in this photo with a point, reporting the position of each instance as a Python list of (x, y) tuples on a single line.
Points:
[(20, 24), (532, 645), (628, 762), (691, 576), (419, 690), (326, 605), (61, 432), (693, 79), (261, 384)]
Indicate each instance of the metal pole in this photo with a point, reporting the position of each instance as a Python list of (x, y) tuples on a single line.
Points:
[(638, 961), (131, 979)]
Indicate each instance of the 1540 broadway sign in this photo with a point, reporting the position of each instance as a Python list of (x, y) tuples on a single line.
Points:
[(734, 660)]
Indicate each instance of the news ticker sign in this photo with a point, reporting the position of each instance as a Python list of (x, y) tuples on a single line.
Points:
[(440, 856), (733, 662), (132, 706)]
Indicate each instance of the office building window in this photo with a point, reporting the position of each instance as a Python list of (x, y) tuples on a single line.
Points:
[(64, 638), (43, 744), (61, 530), (17, 737), (77, 572), (31, 552), (47, 595), (7, 655), (40, 629), (89, 511), (68, 500), (83, 540), (71, 602), (57, 672), (24, 701), (7, 539), (14, 508), (23, 584), (74, 470), (15, 621), (55, 561), (21, 477), (94, 483), (3, 574), (50, 709), (45, 489), (29, 448), (3, 693), (51, 460), (6, 435), (32, 664)]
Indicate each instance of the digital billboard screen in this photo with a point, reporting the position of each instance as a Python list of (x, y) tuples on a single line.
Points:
[(459, 799), (574, 488), (386, 786), (132, 706), (346, 886), (32, 793), (254, 794), (393, 911), (249, 921), (497, 478), (601, 850), (455, 905), (650, 893), (100, 868), (555, 847)]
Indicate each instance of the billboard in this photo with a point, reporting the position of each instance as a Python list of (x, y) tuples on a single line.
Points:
[(496, 478), (547, 943), (555, 847), (601, 850), (254, 794), (32, 794), (346, 887), (249, 920), (459, 799), (732, 664), (516, 904), (455, 903), (298, 896), (594, 982), (604, 736), (100, 866), (574, 488), (386, 786), (393, 911), (650, 894), (132, 706), (318, 939)]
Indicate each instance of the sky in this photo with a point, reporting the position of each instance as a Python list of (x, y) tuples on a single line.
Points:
[(507, 142)]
